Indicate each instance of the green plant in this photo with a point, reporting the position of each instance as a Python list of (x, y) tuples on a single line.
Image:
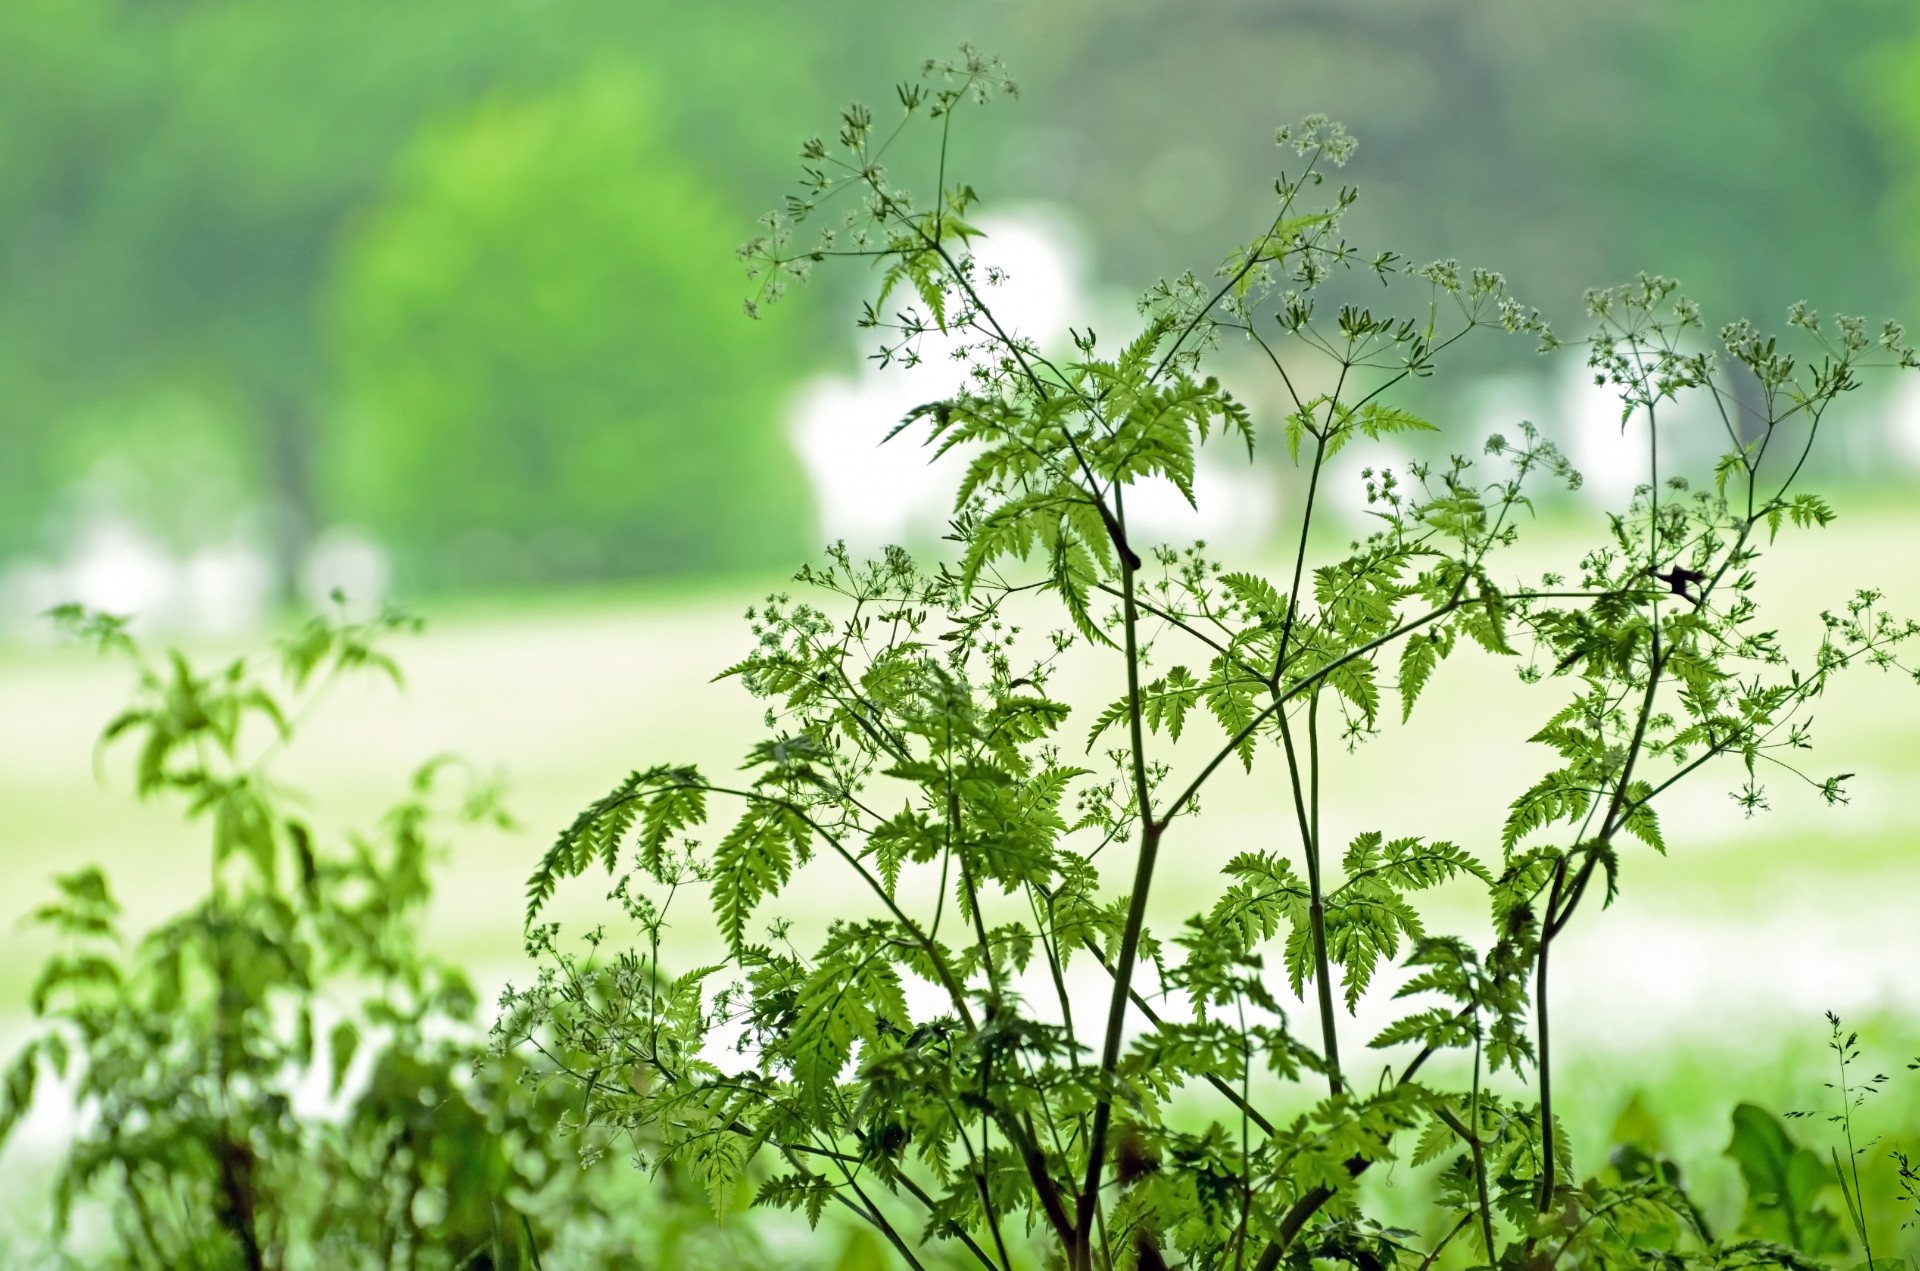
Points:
[(1785, 1184), (278, 1077), (1852, 1096), (921, 1059), (540, 304)]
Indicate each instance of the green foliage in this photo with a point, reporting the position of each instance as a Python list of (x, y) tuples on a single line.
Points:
[(545, 282), (923, 1060), (1624, 138), (1785, 1184), (188, 190), (278, 1077)]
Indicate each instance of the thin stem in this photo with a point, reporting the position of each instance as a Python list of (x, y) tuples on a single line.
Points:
[(871, 1212), (1254, 258), (1299, 561), (1293, 690), (1080, 1256), (1246, 1154), (1546, 1041), (1479, 1149), (978, 1166), (1311, 1203), (1857, 1202), (1307, 812), (1213, 1079), (1428, 1261)]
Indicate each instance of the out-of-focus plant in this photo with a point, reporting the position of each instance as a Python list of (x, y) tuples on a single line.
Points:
[(182, 194), (545, 286), (279, 1077), (923, 1061)]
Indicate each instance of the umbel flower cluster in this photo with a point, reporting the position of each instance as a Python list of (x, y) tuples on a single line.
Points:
[(986, 1050)]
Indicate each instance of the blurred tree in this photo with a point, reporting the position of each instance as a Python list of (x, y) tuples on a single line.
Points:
[(1734, 145), (1893, 77), (551, 285), (1727, 142), (176, 180), (183, 171)]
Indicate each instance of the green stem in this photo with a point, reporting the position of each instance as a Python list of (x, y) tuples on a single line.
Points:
[(1479, 1149), (1080, 1255), (1546, 1040), (1306, 810)]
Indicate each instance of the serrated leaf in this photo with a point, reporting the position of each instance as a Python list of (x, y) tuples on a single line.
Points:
[(1353, 680), (754, 860), (1418, 657), (1377, 420)]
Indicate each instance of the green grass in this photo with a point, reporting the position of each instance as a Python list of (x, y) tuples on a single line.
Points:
[(567, 694), (1709, 973)]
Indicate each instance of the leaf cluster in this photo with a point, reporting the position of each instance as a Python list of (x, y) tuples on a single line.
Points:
[(986, 1043), (194, 1054)]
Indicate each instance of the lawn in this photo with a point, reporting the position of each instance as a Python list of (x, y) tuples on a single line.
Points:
[(1684, 990)]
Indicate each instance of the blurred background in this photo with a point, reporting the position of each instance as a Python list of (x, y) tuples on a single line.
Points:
[(436, 302), (396, 294)]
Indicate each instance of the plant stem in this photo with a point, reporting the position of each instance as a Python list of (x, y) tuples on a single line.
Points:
[(1311, 1203), (1479, 1149), (1214, 1079), (1304, 684), (1306, 809), (1299, 564), (1546, 1040), (1445, 1240), (1080, 1256)]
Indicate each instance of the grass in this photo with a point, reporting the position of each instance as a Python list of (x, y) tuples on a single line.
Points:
[(1714, 964)]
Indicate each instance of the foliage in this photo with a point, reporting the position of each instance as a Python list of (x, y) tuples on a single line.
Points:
[(1640, 137), (181, 184), (278, 1077), (480, 316), (927, 1061), (182, 193)]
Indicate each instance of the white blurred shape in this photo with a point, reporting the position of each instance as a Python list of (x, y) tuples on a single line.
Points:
[(1903, 421), (1237, 503), (347, 561), (119, 569), (871, 494), (227, 588), (1612, 459)]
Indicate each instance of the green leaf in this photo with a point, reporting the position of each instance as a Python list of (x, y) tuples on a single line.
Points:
[(1257, 596), (801, 1189), (717, 1156), (1784, 1184), (343, 1041), (1107, 718), (907, 836), (754, 860), (1641, 820), (850, 992), (1353, 680), (1376, 421), (1267, 897), (1558, 796), (1169, 699), (1637, 1127), (16, 1092), (1230, 696), (667, 801), (1418, 657)]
